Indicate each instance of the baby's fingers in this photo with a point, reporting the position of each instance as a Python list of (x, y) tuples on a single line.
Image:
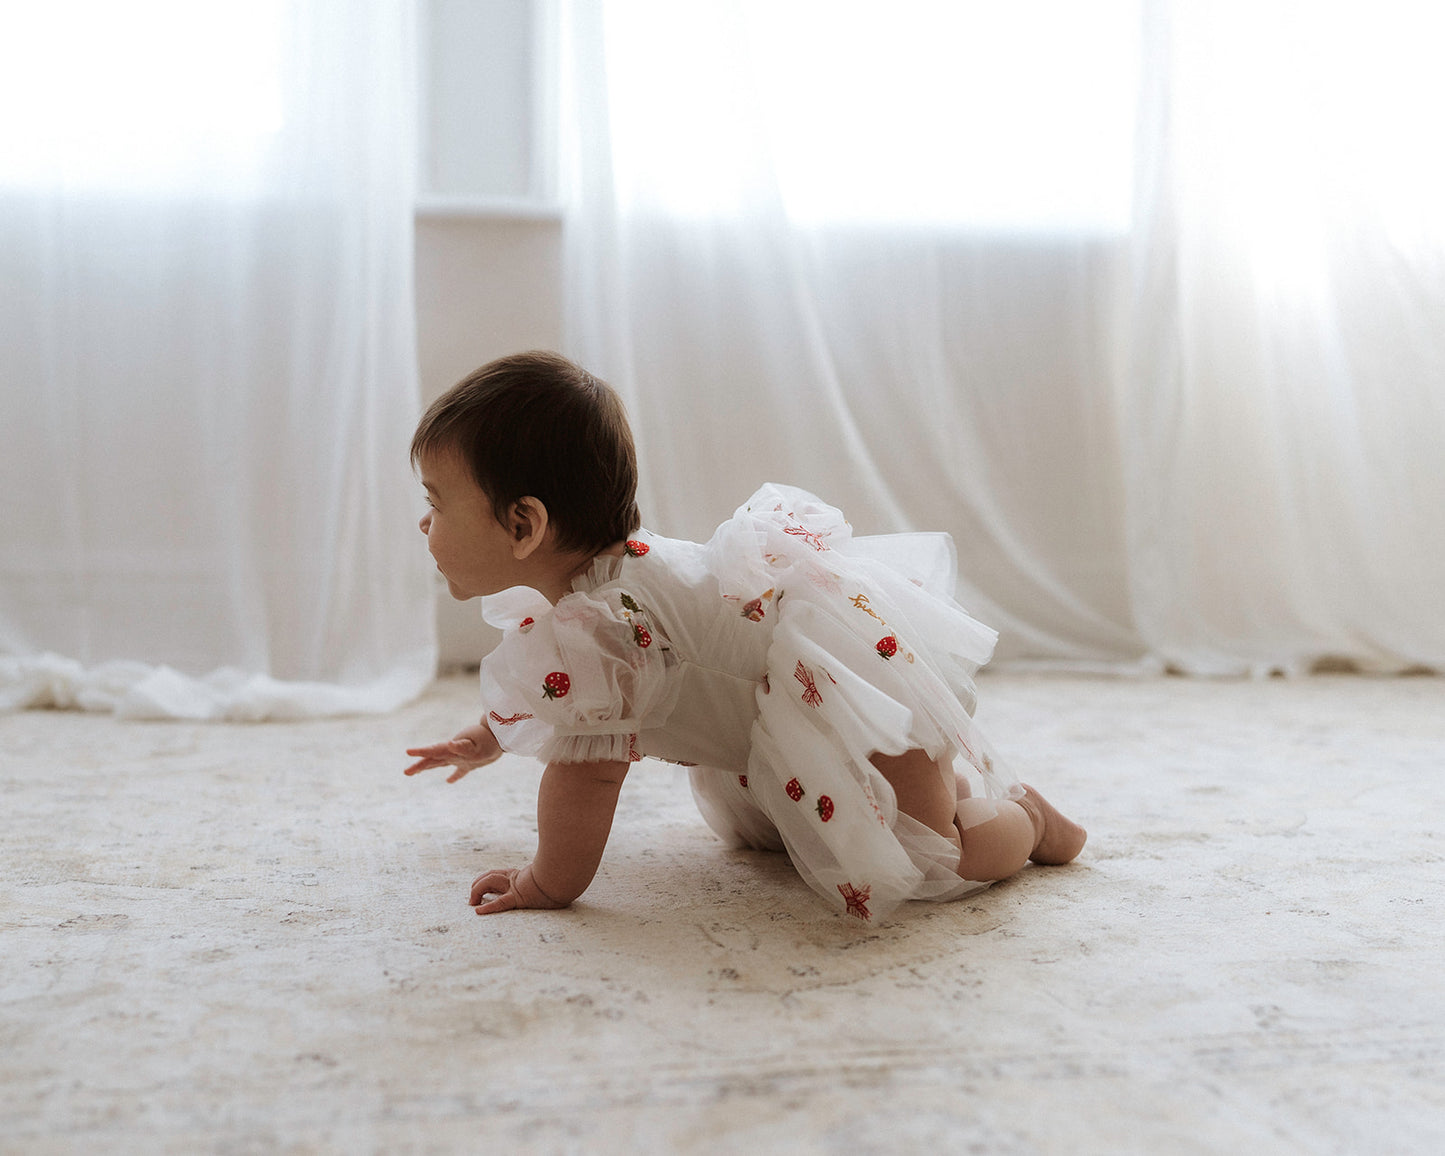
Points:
[(501, 884), (506, 902), (424, 764)]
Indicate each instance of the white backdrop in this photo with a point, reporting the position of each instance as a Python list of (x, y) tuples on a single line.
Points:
[(1198, 424), (1144, 304), (207, 381)]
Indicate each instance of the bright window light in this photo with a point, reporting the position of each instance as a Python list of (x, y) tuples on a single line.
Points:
[(1312, 121), (137, 96), (1008, 116)]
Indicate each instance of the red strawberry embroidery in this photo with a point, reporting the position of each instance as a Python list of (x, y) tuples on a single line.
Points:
[(641, 636), (526, 624), (556, 685), (634, 548), (794, 789), (825, 808), (887, 647), (743, 781)]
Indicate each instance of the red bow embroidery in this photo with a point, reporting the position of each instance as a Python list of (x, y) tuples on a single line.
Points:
[(506, 722), (813, 539), (810, 688), (856, 899)]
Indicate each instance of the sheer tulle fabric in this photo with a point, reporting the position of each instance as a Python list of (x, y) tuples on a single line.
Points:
[(834, 648), (572, 683)]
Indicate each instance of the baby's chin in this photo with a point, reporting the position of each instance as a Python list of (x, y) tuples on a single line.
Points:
[(456, 591)]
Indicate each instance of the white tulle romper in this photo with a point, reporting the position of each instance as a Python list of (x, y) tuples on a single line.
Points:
[(773, 660)]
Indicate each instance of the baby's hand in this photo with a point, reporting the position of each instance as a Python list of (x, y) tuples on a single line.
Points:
[(512, 888), (471, 748)]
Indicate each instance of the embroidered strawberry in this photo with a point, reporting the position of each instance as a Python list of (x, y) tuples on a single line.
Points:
[(634, 548), (641, 636), (556, 685), (794, 789), (887, 646), (743, 781), (825, 808), (526, 624)]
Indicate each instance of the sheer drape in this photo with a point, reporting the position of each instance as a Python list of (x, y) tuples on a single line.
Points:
[(1284, 417), (208, 363), (890, 366), (1196, 432)]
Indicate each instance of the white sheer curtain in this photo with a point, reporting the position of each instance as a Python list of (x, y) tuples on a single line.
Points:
[(207, 365), (1283, 421), (1080, 284)]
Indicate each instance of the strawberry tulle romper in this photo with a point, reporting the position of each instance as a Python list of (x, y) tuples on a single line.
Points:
[(772, 660)]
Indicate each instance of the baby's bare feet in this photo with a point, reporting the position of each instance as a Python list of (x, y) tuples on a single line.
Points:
[(1057, 839)]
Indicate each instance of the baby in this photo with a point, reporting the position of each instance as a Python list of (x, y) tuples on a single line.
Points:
[(818, 686)]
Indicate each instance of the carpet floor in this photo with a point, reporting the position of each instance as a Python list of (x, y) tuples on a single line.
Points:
[(255, 939)]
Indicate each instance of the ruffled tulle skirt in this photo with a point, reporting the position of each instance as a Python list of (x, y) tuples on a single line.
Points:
[(869, 653)]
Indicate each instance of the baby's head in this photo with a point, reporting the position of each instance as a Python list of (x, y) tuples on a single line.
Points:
[(535, 425)]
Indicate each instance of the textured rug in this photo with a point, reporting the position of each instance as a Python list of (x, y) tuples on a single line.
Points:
[(254, 938)]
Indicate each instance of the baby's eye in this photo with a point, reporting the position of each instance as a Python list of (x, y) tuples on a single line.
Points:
[(427, 499)]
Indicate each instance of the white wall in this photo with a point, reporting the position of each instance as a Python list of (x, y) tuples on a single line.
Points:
[(488, 241), (484, 287)]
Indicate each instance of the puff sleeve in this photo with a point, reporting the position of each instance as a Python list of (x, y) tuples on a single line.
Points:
[(577, 681)]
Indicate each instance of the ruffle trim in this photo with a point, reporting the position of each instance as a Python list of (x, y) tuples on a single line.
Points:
[(590, 749)]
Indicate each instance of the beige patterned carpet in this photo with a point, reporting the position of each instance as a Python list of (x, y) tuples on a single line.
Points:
[(254, 939)]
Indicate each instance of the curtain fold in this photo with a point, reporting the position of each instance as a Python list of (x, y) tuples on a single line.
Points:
[(889, 368), (209, 374), (1201, 435)]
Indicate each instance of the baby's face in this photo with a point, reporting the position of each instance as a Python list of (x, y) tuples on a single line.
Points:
[(471, 548)]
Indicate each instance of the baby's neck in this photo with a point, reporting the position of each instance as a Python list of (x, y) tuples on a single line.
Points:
[(560, 571)]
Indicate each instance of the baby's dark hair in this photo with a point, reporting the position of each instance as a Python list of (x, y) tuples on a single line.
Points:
[(536, 425)]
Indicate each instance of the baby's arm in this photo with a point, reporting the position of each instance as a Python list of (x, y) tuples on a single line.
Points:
[(472, 747), (575, 805)]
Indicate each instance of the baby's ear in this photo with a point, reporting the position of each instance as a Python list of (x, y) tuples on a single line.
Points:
[(527, 523)]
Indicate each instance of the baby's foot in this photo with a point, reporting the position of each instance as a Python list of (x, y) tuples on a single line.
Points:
[(1057, 839)]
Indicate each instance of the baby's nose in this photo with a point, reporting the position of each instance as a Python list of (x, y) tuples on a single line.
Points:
[(425, 523)]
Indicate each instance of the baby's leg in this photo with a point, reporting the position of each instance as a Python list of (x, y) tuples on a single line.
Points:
[(995, 837), (1000, 835), (922, 790)]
